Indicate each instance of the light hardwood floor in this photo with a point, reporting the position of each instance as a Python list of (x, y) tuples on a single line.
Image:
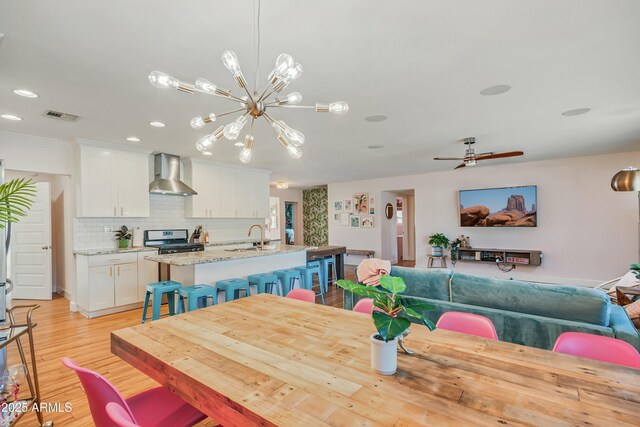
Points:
[(62, 333)]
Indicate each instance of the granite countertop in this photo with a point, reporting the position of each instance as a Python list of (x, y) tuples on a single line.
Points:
[(110, 251), (193, 258)]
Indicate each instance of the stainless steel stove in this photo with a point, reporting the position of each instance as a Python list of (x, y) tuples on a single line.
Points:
[(170, 242)]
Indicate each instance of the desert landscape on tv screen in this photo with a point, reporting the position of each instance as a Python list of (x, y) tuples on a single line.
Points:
[(499, 207)]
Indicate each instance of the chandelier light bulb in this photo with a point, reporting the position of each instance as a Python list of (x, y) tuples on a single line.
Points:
[(283, 63), (292, 98), (245, 154), (230, 60), (339, 107), (163, 81), (293, 73), (233, 129), (295, 137), (199, 122), (204, 143), (294, 151), (205, 86)]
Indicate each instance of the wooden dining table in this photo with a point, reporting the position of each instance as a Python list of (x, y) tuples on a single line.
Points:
[(272, 361)]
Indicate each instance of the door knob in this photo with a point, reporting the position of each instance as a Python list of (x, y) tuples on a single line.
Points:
[(45, 247)]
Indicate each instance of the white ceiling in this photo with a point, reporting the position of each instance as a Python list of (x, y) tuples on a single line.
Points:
[(420, 62)]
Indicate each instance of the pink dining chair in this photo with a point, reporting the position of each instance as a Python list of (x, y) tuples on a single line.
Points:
[(364, 305), (598, 347), (302, 295), (154, 407), (467, 323), (119, 415)]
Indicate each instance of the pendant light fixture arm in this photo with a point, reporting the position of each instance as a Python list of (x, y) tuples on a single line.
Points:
[(231, 112), (278, 105)]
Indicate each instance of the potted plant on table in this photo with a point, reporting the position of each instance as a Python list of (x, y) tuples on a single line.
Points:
[(389, 305), (123, 236), (438, 242)]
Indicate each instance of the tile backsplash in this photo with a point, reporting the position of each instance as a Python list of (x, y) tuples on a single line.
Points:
[(165, 212)]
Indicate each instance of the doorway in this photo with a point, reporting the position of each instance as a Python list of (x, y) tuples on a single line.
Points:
[(398, 232), (290, 222)]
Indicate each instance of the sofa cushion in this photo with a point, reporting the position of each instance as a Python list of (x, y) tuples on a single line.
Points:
[(425, 282), (556, 301)]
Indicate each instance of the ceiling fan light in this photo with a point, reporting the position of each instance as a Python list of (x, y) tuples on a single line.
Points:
[(470, 162)]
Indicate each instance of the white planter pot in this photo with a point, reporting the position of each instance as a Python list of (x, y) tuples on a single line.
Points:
[(384, 355), (436, 250)]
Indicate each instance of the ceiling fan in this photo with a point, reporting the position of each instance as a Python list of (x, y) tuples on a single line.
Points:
[(471, 158)]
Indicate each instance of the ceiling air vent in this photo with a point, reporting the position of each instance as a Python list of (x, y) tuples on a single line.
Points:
[(61, 116)]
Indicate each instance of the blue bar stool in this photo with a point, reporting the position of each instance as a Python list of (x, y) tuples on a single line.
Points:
[(232, 287), (307, 273), (158, 289), (327, 263), (288, 279), (194, 294), (264, 283)]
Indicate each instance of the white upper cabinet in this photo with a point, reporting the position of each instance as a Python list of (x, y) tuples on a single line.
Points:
[(112, 183), (225, 192)]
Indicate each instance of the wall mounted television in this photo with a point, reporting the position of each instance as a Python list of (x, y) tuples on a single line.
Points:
[(499, 207)]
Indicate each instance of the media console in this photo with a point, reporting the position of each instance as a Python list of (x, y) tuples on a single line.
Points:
[(506, 256)]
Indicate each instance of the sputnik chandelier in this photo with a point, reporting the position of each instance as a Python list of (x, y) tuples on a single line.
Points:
[(252, 107)]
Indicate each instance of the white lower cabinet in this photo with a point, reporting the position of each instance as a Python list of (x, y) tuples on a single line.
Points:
[(110, 283)]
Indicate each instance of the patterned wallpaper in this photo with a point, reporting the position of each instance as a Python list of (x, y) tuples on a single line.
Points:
[(315, 216)]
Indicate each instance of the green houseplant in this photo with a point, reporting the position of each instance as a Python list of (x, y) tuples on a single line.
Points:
[(438, 242), (389, 305), (123, 236), (16, 198)]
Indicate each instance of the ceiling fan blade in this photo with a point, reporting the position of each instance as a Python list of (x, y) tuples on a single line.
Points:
[(448, 158), (461, 165), (501, 155)]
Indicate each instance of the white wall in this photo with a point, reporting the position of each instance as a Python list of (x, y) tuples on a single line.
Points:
[(290, 195), (587, 233), (36, 154)]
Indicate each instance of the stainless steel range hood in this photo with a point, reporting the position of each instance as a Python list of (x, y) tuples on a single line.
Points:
[(167, 177)]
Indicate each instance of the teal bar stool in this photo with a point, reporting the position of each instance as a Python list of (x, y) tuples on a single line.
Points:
[(264, 283), (307, 274), (232, 287), (288, 279), (328, 263), (156, 290), (194, 295)]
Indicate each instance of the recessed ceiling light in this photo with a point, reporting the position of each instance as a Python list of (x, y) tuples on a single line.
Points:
[(10, 117), (133, 139), (576, 112), (207, 153), (375, 147), (26, 93), (239, 144), (282, 185), (376, 118), (495, 90), (157, 124)]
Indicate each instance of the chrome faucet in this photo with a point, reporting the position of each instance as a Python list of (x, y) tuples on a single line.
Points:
[(261, 234)]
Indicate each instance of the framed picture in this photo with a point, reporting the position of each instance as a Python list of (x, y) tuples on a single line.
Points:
[(338, 205), (361, 203), (355, 221), (336, 217), (366, 221), (344, 219), (372, 201), (372, 210), (347, 206)]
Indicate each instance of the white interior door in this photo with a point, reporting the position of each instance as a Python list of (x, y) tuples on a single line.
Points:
[(31, 249)]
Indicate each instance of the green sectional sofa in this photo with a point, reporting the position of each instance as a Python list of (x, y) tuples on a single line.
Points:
[(531, 314)]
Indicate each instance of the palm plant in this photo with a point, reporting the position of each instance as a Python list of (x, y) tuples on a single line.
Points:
[(16, 198)]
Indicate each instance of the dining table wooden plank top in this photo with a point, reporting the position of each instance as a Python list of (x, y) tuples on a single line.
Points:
[(272, 361)]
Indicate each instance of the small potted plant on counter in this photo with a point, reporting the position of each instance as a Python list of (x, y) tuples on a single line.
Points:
[(389, 304), (123, 236), (438, 242)]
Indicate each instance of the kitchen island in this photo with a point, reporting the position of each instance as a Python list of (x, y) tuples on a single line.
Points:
[(210, 266)]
